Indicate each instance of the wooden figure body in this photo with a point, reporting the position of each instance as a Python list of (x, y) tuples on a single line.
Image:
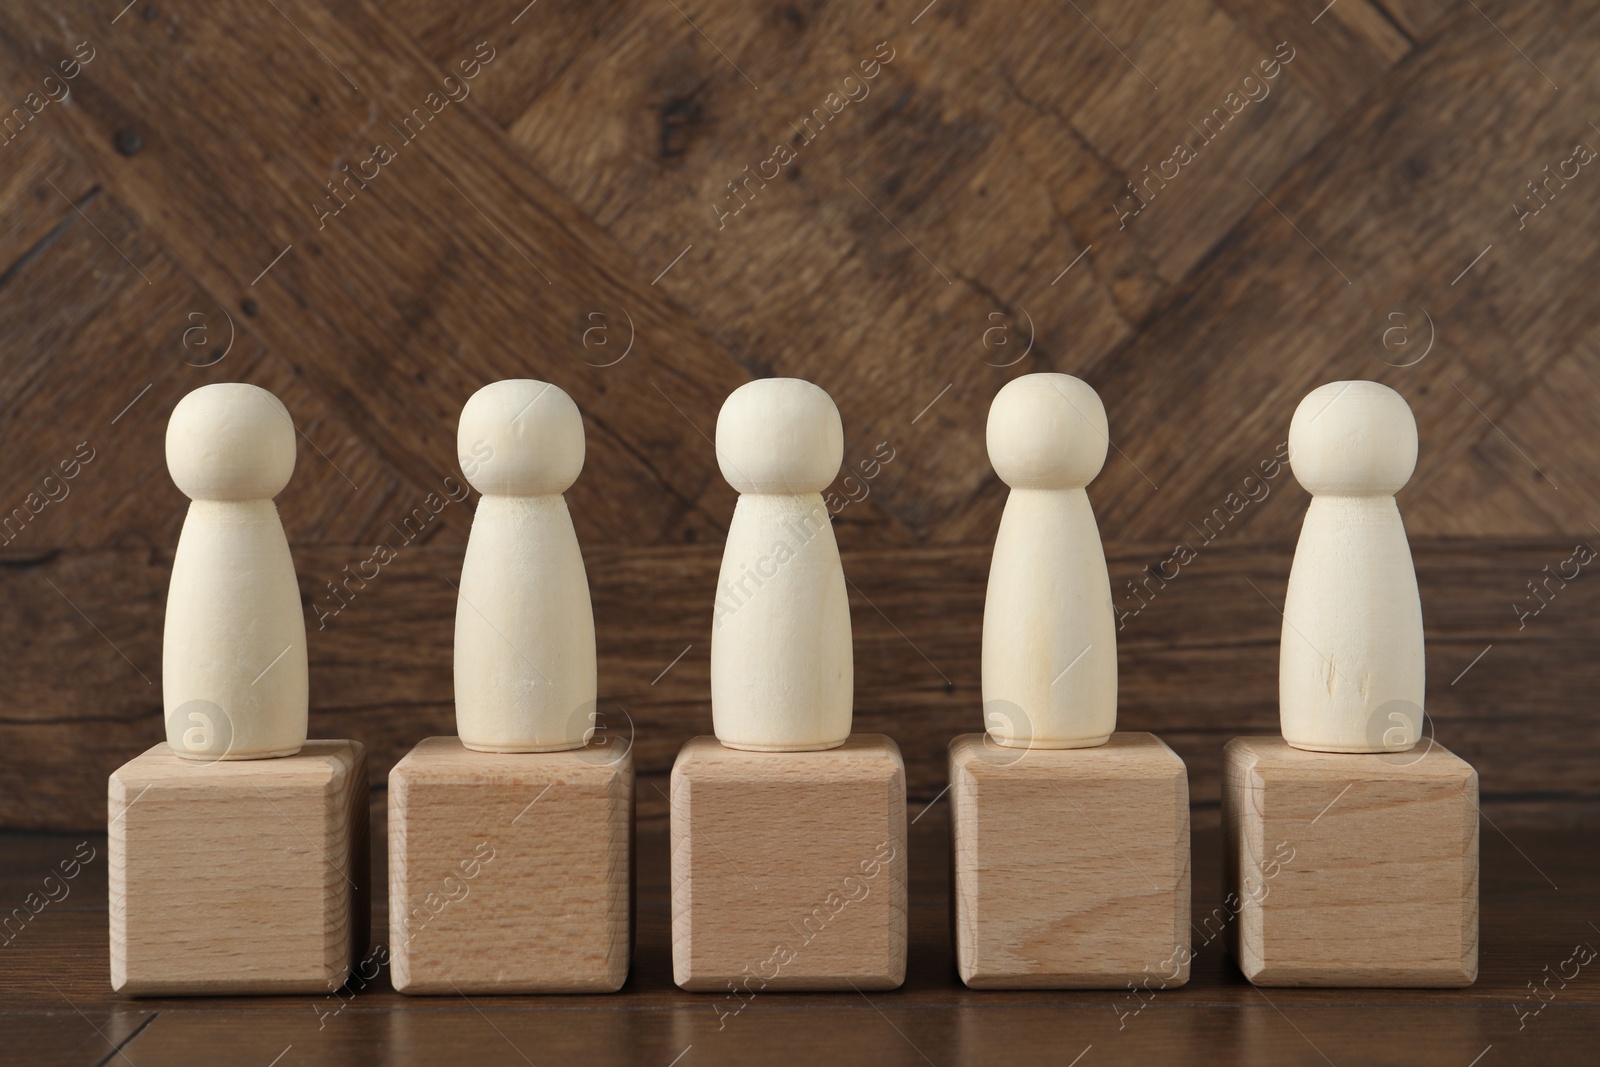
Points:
[(781, 670), (1351, 671), (525, 676), (234, 680), (1049, 633)]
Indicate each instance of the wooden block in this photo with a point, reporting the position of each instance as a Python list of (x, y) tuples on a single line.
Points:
[(789, 868), (1351, 869), (240, 876), (510, 872), (1071, 866)]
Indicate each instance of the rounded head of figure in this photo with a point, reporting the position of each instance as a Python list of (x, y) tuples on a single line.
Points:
[(520, 437), (1047, 431), (1353, 439), (779, 435), (230, 441)]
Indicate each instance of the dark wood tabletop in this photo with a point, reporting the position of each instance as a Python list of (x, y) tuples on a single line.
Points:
[(1535, 1001)]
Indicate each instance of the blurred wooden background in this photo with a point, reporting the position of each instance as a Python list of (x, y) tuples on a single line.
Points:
[(544, 188)]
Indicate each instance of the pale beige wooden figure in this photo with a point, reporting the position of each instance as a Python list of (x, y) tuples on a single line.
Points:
[(788, 869), (231, 872), (1347, 869), (510, 872), (525, 674), (782, 675), (510, 847), (1070, 842), (1350, 670), (1351, 850), (233, 677), (1049, 634), (232, 877), (788, 831), (1070, 866)]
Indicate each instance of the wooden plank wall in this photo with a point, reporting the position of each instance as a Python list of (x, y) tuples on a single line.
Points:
[(941, 201)]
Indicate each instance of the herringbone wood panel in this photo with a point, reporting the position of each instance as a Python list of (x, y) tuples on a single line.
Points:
[(962, 216)]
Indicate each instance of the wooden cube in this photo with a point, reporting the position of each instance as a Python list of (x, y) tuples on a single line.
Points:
[(789, 868), (239, 876), (510, 872), (1351, 869), (1071, 866)]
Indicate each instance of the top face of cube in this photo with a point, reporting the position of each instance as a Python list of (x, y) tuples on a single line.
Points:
[(1272, 759), (1128, 755), (325, 766), (864, 757), (446, 761)]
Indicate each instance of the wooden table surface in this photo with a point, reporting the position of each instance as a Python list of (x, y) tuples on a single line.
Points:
[(1541, 899)]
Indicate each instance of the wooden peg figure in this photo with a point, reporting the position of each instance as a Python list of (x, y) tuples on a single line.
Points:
[(1317, 875), (552, 904), (1049, 633), (234, 681), (1048, 806), (248, 876), (525, 652), (764, 789), (781, 669), (1351, 672)]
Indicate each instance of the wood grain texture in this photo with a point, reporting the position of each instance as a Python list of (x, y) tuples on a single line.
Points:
[(788, 868), (510, 872), (1197, 664), (1070, 866), (987, 158), (1347, 869), (247, 876), (1218, 1018)]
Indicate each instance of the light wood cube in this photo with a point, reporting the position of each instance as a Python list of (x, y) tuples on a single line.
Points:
[(1351, 869), (510, 872), (1071, 866), (789, 868), (240, 876)]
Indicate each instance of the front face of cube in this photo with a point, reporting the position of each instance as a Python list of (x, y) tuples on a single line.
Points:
[(222, 888), (789, 884), (1070, 881), (1356, 881), (520, 884)]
